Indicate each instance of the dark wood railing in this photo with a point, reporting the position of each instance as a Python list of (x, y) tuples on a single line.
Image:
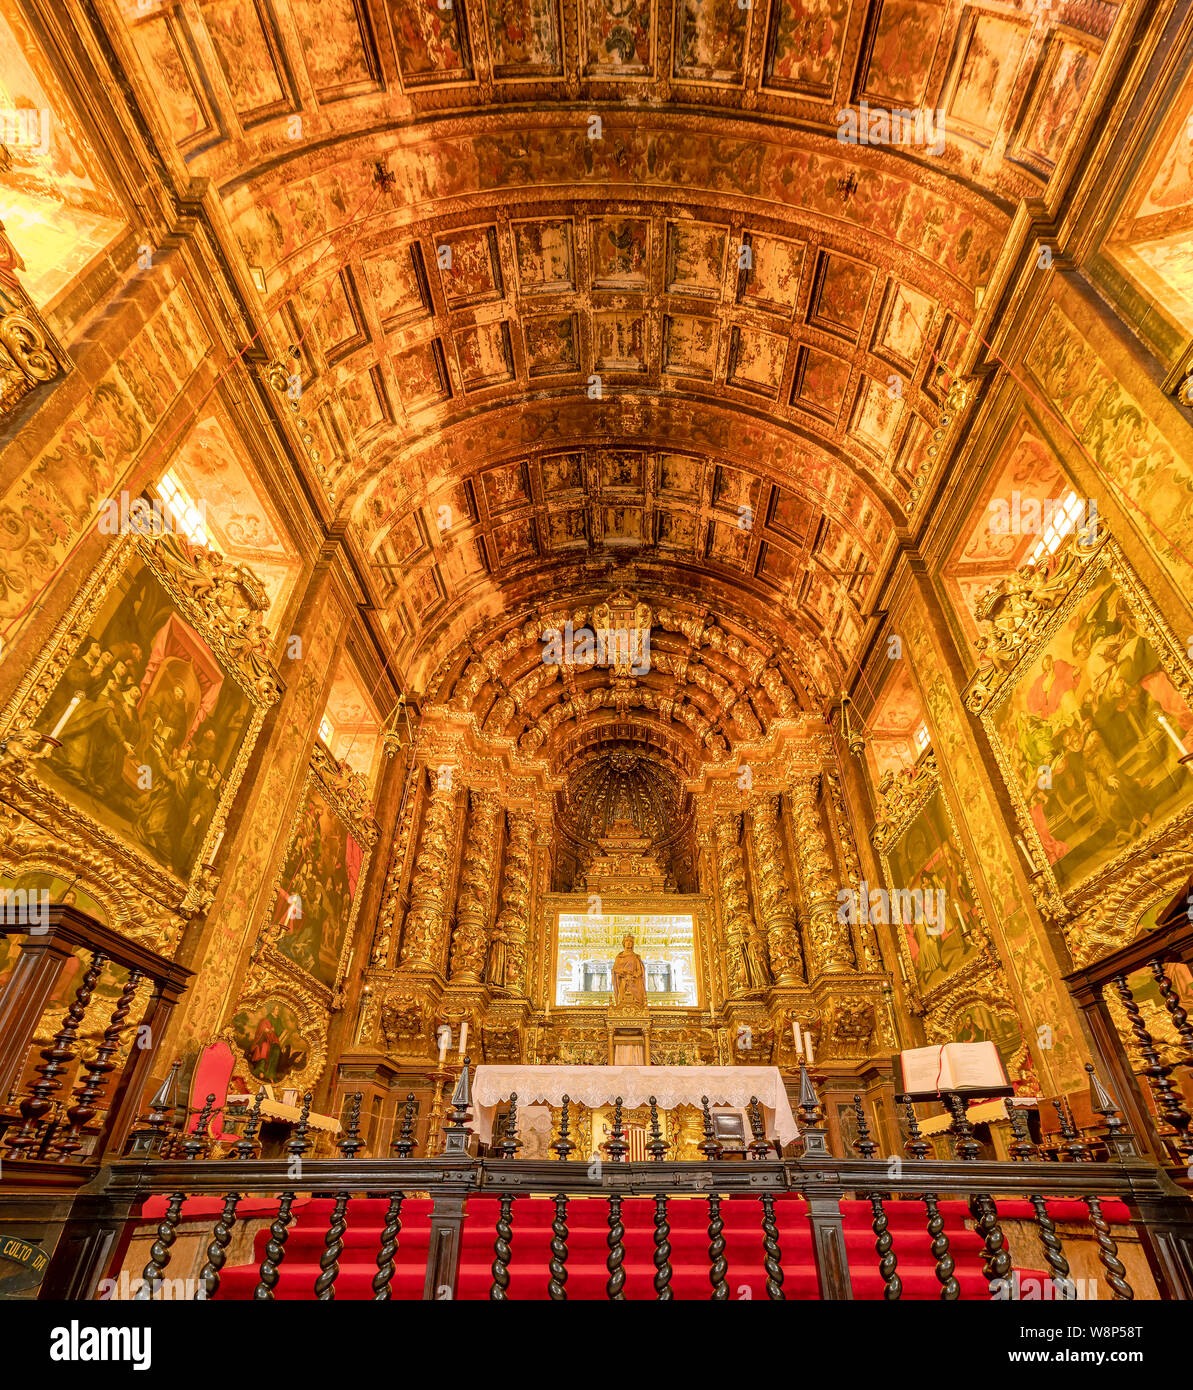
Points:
[(95, 1236)]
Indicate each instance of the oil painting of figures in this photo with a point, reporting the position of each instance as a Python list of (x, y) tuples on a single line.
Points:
[(1093, 732), (148, 724), (270, 1037), (318, 885), (943, 930)]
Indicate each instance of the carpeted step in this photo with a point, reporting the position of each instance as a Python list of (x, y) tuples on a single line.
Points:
[(587, 1248)]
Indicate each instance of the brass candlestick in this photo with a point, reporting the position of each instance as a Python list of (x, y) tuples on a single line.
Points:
[(439, 1080)]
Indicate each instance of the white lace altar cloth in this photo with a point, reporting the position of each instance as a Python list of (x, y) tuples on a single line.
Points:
[(670, 1086)]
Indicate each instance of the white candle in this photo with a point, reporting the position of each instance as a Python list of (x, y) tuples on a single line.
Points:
[(1168, 729), (799, 1047), (444, 1034), (66, 714), (463, 1037), (808, 1047), (215, 849)]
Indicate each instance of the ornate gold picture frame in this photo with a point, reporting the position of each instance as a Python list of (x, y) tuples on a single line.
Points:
[(335, 824), (1086, 697), (133, 728), (921, 851)]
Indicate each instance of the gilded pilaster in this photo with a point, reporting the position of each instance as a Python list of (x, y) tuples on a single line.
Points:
[(424, 936), (775, 903), (746, 967), (865, 945), (507, 957), (827, 937), (474, 907)]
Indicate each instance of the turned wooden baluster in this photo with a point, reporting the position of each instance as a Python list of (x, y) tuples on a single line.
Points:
[(615, 1240), (502, 1250), (217, 1249), (333, 1241), (759, 1146), (996, 1264), (917, 1146), (275, 1248), (718, 1266), (246, 1146), (563, 1145), (711, 1147), (1157, 1072), (884, 1244), (1116, 1271), (35, 1106), (950, 1290), (83, 1110), (1021, 1150), (196, 1141), (556, 1291), (662, 1250), (167, 1228), (772, 1256), (1180, 1019), (617, 1146), (406, 1144), (657, 1147), (510, 1145), (387, 1254)]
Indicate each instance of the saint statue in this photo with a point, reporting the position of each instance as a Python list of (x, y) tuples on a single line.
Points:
[(629, 976)]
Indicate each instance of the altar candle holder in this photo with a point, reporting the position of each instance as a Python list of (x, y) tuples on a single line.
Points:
[(439, 1079)]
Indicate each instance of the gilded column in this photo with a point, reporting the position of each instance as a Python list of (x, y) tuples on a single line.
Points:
[(474, 906), (747, 971), (507, 958), (827, 935), (865, 945), (774, 896), (424, 937)]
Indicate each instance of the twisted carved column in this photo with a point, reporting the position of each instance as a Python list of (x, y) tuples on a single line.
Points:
[(747, 971), (827, 937), (474, 906), (778, 912), (509, 956), (425, 932)]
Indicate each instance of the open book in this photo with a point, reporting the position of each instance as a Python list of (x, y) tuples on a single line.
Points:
[(964, 1068)]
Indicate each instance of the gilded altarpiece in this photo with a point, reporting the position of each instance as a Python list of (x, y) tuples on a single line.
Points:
[(124, 746)]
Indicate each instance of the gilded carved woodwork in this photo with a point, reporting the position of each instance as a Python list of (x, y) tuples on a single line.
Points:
[(745, 961), (27, 358), (774, 896), (507, 957), (424, 933), (826, 935), (865, 946), (474, 905)]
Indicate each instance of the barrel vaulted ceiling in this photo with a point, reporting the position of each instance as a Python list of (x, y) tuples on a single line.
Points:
[(759, 437)]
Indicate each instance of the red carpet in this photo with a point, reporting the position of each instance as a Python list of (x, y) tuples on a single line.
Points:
[(587, 1229)]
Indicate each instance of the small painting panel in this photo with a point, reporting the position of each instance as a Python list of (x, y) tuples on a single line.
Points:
[(770, 279), (696, 259), (925, 866), (618, 38), (756, 361), (545, 256), (552, 344), (313, 898), (270, 1037), (524, 38), (710, 41), (431, 41), (620, 253), (807, 38)]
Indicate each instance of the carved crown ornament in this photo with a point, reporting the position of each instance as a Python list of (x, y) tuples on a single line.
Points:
[(900, 796), (204, 594)]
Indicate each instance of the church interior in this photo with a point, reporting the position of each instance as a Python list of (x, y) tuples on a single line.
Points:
[(596, 651)]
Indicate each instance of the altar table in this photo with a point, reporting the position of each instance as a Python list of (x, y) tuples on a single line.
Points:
[(671, 1086)]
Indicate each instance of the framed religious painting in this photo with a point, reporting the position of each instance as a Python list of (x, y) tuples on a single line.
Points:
[(1087, 699), (928, 899), (316, 896), (277, 1035), (136, 723)]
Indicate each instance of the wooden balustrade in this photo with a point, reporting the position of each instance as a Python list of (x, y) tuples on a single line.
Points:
[(77, 1103), (1160, 1211)]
